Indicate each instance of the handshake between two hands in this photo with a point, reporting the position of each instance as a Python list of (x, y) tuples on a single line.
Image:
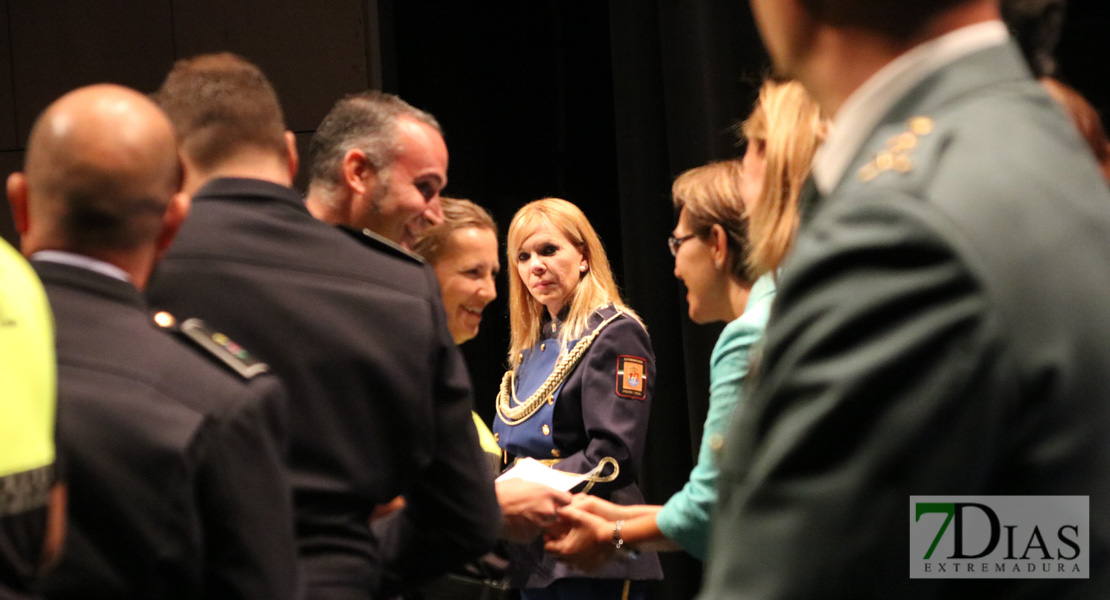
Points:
[(578, 529)]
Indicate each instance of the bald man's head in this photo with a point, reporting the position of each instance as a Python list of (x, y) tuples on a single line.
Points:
[(101, 169)]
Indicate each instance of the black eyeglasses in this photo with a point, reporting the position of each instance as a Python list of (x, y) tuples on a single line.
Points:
[(673, 243)]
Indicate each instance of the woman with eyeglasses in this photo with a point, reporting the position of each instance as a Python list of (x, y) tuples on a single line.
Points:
[(729, 276), (578, 390)]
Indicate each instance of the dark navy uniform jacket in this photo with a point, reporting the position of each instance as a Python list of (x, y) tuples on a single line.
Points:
[(600, 411), (21, 545), (942, 328), (379, 397), (174, 464)]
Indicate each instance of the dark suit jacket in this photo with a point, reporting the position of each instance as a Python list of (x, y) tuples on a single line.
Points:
[(21, 537), (174, 464), (944, 331), (379, 396)]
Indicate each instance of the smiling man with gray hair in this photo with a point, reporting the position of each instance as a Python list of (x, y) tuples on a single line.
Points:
[(378, 164), (379, 396)]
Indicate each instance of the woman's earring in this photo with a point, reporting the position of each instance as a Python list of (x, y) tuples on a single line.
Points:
[(582, 268)]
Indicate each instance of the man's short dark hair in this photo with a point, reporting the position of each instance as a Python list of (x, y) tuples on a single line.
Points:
[(896, 19), (366, 121), (221, 104)]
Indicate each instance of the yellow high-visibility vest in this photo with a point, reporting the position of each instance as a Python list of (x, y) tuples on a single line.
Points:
[(28, 371), (485, 436)]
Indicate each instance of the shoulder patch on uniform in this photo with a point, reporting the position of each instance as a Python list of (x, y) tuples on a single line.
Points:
[(631, 377), (898, 154), (377, 242), (220, 346)]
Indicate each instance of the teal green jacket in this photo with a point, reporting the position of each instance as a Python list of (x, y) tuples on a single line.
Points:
[(684, 519)]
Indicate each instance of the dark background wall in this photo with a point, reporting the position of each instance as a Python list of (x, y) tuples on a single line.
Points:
[(599, 103)]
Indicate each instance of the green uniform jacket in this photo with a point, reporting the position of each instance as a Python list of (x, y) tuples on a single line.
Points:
[(943, 328)]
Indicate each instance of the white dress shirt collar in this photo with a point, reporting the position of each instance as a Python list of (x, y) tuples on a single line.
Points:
[(82, 261)]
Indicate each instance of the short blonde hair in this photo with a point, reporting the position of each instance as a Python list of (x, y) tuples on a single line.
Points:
[(711, 196), (458, 214), (595, 289), (790, 126)]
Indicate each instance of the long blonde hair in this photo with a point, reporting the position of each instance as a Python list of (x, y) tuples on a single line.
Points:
[(595, 289), (790, 126)]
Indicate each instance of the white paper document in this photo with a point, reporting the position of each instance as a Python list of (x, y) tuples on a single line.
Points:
[(530, 469)]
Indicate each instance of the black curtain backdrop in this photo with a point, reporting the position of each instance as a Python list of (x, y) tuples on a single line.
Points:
[(604, 106), (601, 105), (684, 75)]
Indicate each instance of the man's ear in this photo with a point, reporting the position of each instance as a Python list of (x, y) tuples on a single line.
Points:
[(172, 220), (358, 174), (719, 245), (17, 197), (292, 157)]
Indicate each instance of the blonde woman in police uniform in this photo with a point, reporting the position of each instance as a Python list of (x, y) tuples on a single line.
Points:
[(578, 391)]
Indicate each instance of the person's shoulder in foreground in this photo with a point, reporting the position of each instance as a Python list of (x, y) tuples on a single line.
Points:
[(921, 346), (27, 465), (180, 491)]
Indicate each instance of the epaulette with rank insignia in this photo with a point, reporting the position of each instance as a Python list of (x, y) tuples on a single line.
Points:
[(214, 343), (377, 242), (898, 154)]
